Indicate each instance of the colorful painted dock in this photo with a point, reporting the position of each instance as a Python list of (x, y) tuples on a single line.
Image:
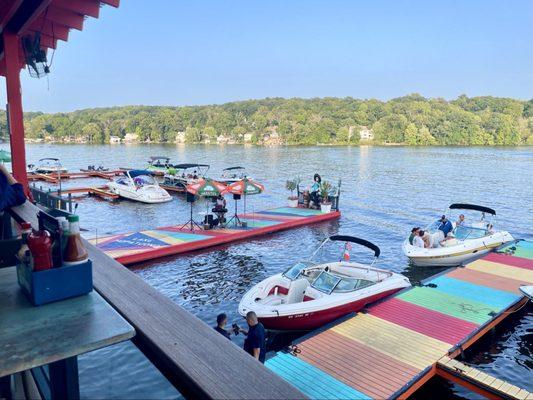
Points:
[(393, 348), (129, 248)]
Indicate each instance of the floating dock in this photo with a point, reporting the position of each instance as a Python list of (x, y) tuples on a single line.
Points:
[(99, 191), (394, 347), (54, 177), (129, 248)]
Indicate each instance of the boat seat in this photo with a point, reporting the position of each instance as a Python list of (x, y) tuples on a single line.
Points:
[(296, 291)]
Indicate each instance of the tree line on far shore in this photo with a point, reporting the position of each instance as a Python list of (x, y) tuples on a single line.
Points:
[(410, 120)]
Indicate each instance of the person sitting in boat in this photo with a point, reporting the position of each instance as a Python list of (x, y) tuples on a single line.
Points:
[(445, 225), (490, 229), (417, 240), (414, 232), (314, 191), (460, 221), (194, 175), (426, 237), (222, 319)]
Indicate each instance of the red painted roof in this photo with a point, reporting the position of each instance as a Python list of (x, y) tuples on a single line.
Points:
[(52, 18)]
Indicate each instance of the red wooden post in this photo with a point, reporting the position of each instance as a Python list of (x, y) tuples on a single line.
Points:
[(14, 107)]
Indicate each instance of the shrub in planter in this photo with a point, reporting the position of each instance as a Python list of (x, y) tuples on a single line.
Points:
[(291, 185), (325, 188)]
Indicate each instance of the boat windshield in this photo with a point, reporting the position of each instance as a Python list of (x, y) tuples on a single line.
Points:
[(294, 272), (326, 282), (143, 180), (462, 232)]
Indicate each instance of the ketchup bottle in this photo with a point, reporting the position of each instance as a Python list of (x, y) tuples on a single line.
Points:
[(40, 245)]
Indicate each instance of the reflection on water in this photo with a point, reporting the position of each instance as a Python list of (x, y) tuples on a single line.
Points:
[(385, 191)]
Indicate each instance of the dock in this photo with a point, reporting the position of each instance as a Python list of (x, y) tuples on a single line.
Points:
[(54, 177), (98, 191), (129, 248), (399, 343)]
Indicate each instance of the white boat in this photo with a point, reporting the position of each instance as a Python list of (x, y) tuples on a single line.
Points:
[(309, 295), (232, 174), (527, 291), (179, 176), (47, 166), (139, 185), (466, 242)]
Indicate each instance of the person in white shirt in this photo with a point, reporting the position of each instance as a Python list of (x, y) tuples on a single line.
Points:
[(418, 241)]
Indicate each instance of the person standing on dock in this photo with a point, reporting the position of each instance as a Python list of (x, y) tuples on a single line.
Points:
[(222, 319), (254, 344)]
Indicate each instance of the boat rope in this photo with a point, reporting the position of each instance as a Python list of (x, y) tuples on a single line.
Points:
[(294, 350), (518, 309)]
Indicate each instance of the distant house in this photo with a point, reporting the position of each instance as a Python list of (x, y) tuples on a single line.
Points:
[(180, 137), (114, 139), (366, 134), (131, 138), (221, 139)]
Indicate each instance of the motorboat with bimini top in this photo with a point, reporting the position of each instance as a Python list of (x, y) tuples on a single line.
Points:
[(450, 244), (310, 294), (179, 176), (232, 174), (158, 164), (47, 166), (139, 185)]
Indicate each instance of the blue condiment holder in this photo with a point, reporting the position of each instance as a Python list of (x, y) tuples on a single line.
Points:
[(55, 284)]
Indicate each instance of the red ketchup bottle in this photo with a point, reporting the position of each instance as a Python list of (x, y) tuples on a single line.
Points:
[(40, 245)]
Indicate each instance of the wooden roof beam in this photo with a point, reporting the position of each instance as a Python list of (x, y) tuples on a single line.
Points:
[(26, 14), (50, 28), (86, 7), (65, 17), (7, 9), (113, 3)]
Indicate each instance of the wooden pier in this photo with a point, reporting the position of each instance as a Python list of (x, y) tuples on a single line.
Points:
[(396, 345), (98, 191), (54, 177), (129, 248)]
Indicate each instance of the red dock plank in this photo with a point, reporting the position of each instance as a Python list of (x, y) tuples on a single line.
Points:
[(509, 260), (422, 320), (485, 279)]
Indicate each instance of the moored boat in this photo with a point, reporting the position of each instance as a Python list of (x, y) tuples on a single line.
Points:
[(464, 243), (47, 166), (232, 174), (158, 164), (179, 176), (309, 295), (139, 185)]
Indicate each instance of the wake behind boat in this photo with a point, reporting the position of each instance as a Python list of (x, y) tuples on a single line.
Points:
[(464, 242), (309, 295), (139, 185)]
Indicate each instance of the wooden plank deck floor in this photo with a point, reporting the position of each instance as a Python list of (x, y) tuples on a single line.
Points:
[(392, 349), (129, 248)]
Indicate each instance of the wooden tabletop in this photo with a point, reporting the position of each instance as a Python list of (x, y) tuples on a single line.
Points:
[(32, 336)]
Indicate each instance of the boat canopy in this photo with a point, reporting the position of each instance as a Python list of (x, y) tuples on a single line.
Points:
[(353, 239), (464, 206), (49, 159), (154, 158), (232, 168), (187, 166), (137, 172)]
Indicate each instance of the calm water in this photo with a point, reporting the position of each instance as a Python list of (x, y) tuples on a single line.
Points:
[(385, 191)]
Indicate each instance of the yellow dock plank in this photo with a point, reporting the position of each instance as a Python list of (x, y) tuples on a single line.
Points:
[(497, 384), (505, 387), (488, 380), (524, 395), (513, 391), (400, 343), (506, 271)]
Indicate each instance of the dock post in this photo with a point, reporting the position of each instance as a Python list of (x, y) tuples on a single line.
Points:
[(70, 203)]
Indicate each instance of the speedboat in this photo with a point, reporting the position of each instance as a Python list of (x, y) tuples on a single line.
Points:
[(232, 174), (158, 164), (179, 176), (466, 242), (47, 166), (309, 295), (139, 185)]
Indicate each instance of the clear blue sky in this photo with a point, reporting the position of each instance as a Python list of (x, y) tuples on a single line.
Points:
[(170, 52)]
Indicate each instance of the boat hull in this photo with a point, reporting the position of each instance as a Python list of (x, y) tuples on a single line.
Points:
[(315, 319)]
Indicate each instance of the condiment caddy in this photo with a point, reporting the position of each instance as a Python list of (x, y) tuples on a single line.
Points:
[(53, 262)]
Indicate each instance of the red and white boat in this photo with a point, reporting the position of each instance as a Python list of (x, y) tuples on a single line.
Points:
[(309, 295)]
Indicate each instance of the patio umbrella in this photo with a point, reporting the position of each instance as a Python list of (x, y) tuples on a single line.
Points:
[(204, 188), (244, 187), (5, 156)]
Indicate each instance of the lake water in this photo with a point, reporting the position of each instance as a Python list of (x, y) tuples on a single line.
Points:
[(385, 191)]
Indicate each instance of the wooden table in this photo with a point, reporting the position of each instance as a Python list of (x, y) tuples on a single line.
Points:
[(54, 334)]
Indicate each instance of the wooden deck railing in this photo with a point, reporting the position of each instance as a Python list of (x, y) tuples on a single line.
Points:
[(196, 359)]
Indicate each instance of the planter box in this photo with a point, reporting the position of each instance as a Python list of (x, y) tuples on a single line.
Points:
[(55, 284), (293, 203), (325, 208)]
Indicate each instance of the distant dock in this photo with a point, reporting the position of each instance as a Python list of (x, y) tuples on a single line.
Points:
[(129, 248), (404, 340)]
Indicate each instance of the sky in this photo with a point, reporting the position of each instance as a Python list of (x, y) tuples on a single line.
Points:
[(178, 52)]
